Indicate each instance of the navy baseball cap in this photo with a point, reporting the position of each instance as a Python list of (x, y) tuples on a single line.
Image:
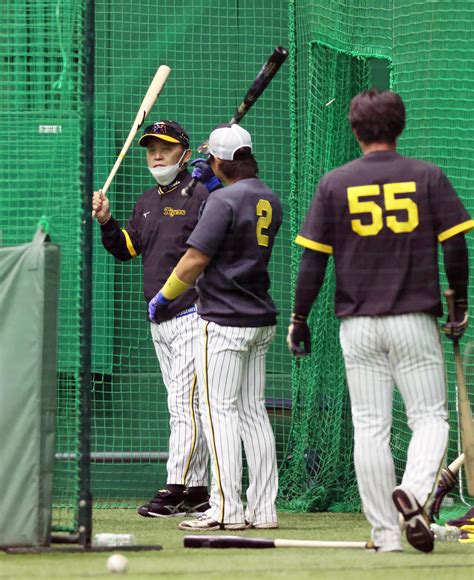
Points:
[(170, 131)]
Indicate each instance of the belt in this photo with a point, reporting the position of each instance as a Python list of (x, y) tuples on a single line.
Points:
[(187, 311)]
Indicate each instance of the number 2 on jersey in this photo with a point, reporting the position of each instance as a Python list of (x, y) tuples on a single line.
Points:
[(265, 212), (390, 191)]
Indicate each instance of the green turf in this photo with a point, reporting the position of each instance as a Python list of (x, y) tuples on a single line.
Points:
[(449, 561)]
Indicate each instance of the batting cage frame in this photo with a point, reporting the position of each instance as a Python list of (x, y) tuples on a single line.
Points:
[(77, 95)]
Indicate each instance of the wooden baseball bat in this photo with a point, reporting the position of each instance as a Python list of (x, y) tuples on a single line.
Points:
[(262, 543), (465, 415), (149, 99), (456, 465)]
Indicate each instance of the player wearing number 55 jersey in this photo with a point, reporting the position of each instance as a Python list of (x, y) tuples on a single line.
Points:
[(229, 251), (381, 218)]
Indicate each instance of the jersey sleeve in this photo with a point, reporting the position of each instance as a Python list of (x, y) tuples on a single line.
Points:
[(316, 233), (123, 244), (450, 215), (215, 221)]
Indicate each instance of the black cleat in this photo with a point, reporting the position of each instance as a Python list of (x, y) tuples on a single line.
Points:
[(165, 504), (195, 506), (419, 534)]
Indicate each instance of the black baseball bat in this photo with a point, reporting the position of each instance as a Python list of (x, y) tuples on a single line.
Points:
[(222, 542), (261, 82)]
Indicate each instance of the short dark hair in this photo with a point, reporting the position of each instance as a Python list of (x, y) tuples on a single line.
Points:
[(243, 166), (377, 117)]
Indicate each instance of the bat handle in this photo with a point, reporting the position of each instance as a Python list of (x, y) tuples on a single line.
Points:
[(189, 189), (449, 295)]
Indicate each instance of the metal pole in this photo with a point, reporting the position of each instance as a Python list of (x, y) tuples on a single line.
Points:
[(85, 496)]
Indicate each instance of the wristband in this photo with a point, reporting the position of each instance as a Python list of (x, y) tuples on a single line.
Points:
[(173, 287), (298, 318)]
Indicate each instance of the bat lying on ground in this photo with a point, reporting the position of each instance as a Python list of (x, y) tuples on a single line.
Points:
[(149, 99), (262, 543), (262, 80)]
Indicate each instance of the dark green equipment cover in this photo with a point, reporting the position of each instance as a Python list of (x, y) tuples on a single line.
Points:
[(29, 288)]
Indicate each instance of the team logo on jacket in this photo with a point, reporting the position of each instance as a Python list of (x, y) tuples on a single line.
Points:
[(171, 212)]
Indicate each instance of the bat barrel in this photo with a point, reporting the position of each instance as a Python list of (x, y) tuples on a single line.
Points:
[(222, 542)]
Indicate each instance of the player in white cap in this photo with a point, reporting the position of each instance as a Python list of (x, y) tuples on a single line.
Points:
[(228, 255)]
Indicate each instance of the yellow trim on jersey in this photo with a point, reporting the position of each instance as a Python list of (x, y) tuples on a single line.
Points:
[(211, 429), (193, 421), (130, 247), (464, 227), (313, 245)]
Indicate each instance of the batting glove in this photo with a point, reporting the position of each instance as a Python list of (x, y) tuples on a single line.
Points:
[(298, 332), (156, 304), (455, 329), (203, 172), (447, 481)]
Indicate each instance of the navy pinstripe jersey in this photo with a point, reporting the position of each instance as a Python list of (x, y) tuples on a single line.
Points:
[(157, 230), (237, 230), (381, 216)]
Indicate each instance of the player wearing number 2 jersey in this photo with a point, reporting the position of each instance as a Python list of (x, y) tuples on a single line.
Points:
[(231, 247), (381, 217)]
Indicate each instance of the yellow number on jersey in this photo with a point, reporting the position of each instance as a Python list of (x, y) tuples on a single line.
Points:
[(356, 206), (391, 190), (265, 212), (405, 203)]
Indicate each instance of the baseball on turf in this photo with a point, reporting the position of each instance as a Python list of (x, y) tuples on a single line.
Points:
[(117, 564)]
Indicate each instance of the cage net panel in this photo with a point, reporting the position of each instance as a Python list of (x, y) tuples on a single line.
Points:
[(432, 62), (429, 65)]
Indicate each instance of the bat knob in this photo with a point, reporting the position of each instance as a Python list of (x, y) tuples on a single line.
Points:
[(185, 192), (188, 190)]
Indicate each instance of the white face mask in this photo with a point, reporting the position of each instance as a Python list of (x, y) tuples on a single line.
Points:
[(166, 175)]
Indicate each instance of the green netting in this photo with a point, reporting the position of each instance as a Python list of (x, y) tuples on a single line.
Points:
[(339, 49), (41, 43), (432, 61), (214, 49), (318, 473)]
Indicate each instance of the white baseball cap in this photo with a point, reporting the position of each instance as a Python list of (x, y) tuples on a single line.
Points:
[(225, 141)]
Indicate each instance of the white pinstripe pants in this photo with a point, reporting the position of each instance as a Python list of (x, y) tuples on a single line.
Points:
[(230, 364), (174, 342), (378, 352)]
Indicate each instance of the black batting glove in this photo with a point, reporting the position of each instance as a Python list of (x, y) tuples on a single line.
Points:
[(455, 329), (299, 336), (446, 482)]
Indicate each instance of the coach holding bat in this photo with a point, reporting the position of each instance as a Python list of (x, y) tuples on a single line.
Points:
[(381, 218), (161, 221)]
